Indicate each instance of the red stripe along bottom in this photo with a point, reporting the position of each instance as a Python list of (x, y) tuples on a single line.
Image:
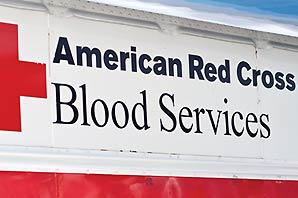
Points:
[(65, 185)]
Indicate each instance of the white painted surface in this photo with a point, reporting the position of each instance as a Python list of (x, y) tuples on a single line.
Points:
[(41, 142)]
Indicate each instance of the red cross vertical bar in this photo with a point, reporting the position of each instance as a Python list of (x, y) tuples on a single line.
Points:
[(17, 78)]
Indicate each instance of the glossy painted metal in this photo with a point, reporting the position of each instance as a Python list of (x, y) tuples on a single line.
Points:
[(63, 185), (40, 151)]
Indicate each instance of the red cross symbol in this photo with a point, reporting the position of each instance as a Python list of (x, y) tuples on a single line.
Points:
[(17, 78)]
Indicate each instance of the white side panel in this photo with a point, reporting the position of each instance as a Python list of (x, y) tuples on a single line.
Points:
[(126, 86), (210, 148)]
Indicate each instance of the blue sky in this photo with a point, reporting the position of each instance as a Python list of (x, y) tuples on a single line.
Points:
[(276, 16), (275, 7)]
